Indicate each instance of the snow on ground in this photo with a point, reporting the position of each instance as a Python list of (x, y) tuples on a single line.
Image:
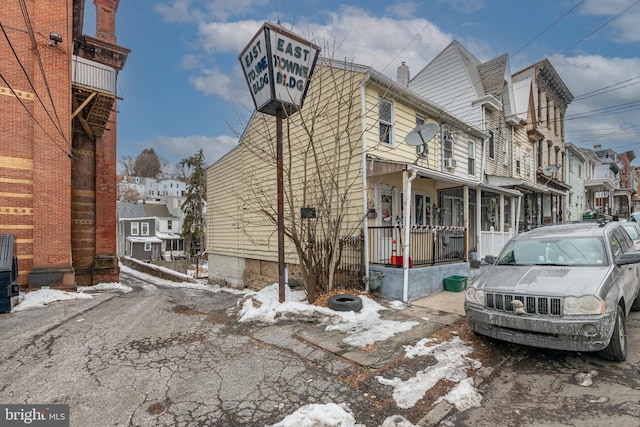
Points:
[(362, 328)]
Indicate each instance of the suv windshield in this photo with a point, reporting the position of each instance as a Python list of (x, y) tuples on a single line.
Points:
[(580, 251)]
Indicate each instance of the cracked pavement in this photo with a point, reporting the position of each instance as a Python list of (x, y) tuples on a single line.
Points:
[(173, 357)]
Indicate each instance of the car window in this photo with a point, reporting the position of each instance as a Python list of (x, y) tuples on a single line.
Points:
[(616, 248), (582, 251), (633, 231), (625, 240)]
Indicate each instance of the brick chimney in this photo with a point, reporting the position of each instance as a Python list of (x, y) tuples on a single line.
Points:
[(403, 74), (106, 19)]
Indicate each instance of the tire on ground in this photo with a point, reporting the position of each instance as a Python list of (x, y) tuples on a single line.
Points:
[(345, 302)]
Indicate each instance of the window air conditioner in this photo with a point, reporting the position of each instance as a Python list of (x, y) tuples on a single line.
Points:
[(449, 163)]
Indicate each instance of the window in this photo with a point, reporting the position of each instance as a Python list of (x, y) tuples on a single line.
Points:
[(518, 170), (135, 227), (492, 148), (145, 229), (447, 144), (421, 210), (169, 224), (147, 246), (471, 158), (505, 152), (579, 170), (386, 122), (527, 163)]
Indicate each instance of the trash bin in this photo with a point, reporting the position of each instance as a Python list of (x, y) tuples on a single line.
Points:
[(455, 283), (9, 287)]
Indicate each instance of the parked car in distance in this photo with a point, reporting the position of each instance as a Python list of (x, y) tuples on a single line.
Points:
[(565, 287), (633, 228), (634, 217)]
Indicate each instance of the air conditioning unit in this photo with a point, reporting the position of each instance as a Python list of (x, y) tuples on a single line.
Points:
[(449, 163)]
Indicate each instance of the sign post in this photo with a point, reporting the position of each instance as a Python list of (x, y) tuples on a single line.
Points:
[(278, 65)]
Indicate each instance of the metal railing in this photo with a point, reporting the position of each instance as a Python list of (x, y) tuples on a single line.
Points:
[(428, 245)]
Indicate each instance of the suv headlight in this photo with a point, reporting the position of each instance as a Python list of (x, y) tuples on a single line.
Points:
[(475, 296), (589, 304)]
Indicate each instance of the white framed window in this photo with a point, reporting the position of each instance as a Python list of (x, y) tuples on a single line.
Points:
[(147, 246), (421, 214), (145, 229), (527, 163), (471, 158), (491, 144), (518, 169), (386, 121), (135, 228), (447, 144), (169, 224)]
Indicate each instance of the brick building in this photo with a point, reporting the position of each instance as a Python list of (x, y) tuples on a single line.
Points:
[(58, 140)]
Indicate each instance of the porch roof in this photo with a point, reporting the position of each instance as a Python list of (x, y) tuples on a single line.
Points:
[(503, 181), (389, 166), (150, 239)]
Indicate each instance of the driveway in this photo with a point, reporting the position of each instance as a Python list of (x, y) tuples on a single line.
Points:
[(178, 357)]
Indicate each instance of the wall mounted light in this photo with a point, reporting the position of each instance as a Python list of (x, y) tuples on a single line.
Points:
[(55, 37)]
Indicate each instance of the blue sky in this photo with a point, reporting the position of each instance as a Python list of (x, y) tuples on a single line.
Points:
[(183, 88)]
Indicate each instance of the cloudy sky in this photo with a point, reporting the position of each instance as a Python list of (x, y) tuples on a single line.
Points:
[(183, 88)]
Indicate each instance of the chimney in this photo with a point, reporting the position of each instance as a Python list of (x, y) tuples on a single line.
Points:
[(106, 19), (403, 74)]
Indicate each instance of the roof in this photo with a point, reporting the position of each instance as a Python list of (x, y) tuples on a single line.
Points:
[(150, 239), (142, 210), (7, 245)]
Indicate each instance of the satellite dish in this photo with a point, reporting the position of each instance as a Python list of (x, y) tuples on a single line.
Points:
[(421, 134), (550, 170)]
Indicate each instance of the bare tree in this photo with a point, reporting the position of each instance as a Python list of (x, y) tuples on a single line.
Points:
[(128, 165), (128, 194)]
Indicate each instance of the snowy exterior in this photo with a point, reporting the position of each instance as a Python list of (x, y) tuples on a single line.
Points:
[(377, 165), (148, 232)]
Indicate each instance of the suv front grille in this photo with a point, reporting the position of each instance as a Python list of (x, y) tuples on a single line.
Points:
[(543, 306)]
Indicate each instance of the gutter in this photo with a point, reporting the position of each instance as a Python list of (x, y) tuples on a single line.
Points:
[(363, 124), (405, 249)]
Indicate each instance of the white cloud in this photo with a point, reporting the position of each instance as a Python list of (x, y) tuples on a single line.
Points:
[(404, 9), (191, 11), (609, 117), (467, 6), (175, 149), (625, 27)]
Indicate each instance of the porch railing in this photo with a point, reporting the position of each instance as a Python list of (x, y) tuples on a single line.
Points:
[(428, 245), (493, 241)]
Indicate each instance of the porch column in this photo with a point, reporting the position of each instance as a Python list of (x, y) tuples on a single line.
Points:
[(502, 230), (481, 253), (465, 220)]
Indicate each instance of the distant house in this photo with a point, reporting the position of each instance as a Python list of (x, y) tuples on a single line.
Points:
[(148, 232)]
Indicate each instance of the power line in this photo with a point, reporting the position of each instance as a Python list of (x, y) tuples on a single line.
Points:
[(30, 82), (548, 28), (33, 117), (27, 20)]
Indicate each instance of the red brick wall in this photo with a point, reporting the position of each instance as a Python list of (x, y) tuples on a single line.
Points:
[(35, 198)]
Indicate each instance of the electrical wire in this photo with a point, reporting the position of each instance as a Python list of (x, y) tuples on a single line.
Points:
[(27, 20), (33, 117), (30, 82)]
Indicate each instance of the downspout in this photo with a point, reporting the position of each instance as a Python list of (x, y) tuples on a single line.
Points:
[(365, 228), (405, 249)]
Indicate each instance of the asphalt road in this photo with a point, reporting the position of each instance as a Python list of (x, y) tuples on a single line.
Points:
[(538, 387)]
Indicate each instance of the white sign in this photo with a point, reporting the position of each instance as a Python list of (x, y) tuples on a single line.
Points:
[(277, 65), (256, 69)]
